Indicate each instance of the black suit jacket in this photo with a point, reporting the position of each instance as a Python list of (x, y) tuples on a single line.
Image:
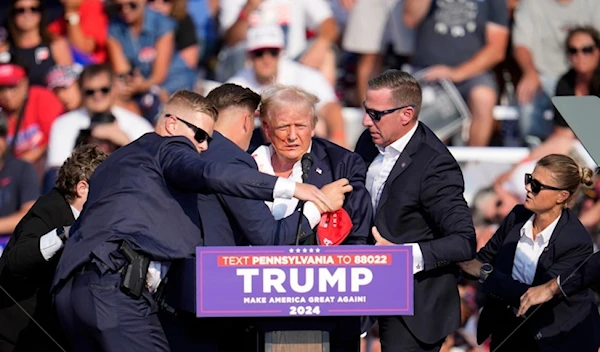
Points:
[(582, 277), (26, 275), (569, 245), (422, 202)]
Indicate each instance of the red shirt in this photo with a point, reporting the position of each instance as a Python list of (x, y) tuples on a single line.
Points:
[(93, 22), (41, 109)]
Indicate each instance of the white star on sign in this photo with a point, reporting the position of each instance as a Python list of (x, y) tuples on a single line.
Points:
[(291, 250), (311, 250), (297, 250), (317, 250), (304, 250)]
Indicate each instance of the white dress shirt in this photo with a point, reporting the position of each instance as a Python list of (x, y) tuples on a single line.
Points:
[(378, 173), (282, 207), (50, 243), (528, 250)]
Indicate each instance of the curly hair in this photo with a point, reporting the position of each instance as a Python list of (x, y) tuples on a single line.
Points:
[(78, 167)]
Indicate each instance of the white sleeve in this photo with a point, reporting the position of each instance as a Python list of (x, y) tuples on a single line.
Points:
[(284, 188), (134, 126), (229, 11), (312, 214), (316, 11), (418, 264), (50, 244), (314, 82), (523, 27), (61, 142)]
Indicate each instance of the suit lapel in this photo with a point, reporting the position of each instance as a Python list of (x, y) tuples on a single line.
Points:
[(547, 257), (318, 173), (402, 163), (506, 257)]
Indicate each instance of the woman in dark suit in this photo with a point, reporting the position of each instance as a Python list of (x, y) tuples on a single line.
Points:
[(28, 263), (536, 242)]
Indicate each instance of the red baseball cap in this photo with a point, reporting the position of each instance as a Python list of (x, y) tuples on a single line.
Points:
[(334, 228), (11, 74)]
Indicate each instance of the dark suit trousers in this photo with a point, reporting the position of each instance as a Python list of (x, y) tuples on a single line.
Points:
[(395, 337), (97, 316)]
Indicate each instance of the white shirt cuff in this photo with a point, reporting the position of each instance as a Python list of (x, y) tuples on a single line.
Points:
[(312, 214), (50, 244), (559, 286), (418, 264), (284, 188)]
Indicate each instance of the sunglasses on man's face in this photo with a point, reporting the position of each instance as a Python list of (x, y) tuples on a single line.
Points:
[(22, 10), (260, 52), (376, 115), (587, 50), (200, 135), (537, 186), (91, 92), (129, 5)]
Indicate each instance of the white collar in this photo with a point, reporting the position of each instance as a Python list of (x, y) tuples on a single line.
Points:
[(401, 143), (75, 212), (545, 234), (262, 156)]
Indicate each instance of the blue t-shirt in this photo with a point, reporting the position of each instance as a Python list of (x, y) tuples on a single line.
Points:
[(141, 52), (18, 185), (453, 31)]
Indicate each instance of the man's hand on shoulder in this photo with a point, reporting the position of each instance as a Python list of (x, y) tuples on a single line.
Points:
[(335, 192), (310, 193)]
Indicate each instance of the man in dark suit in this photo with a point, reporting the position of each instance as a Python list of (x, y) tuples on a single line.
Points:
[(143, 207), (416, 190), (572, 281), (28, 263)]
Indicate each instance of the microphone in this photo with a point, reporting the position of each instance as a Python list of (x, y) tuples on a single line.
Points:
[(307, 162)]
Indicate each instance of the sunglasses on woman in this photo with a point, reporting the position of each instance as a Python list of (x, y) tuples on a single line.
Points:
[(200, 135), (22, 10), (537, 186), (587, 50), (129, 5)]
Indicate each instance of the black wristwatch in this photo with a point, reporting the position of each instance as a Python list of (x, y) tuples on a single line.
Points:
[(486, 270), (60, 232)]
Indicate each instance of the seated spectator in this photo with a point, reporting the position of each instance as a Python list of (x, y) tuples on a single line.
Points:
[(96, 83), (462, 41), (30, 112), (62, 80), (539, 34), (18, 185), (89, 136), (186, 43), (29, 41), (85, 25), (268, 66), (295, 18), (141, 48)]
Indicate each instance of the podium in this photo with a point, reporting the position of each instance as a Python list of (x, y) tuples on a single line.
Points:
[(279, 288)]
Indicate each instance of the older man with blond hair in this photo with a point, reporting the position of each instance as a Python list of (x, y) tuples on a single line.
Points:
[(288, 119)]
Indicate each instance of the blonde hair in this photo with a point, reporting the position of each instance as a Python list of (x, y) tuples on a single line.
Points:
[(193, 101), (567, 174), (287, 97)]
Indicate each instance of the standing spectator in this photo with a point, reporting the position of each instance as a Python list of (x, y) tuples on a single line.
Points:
[(186, 43), (85, 25), (18, 185), (268, 67), (31, 43), (30, 111), (99, 96), (539, 35), (62, 80), (462, 41), (295, 18)]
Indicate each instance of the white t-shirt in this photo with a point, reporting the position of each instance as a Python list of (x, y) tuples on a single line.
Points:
[(291, 73), (294, 17), (66, 128)]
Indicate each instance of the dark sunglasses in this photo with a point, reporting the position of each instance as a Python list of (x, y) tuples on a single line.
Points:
[(260, 52), (200, 135), (537, 186), (164, 1), (22, 10), (130, 5), (587, 50), (91, 92), (376, 115)]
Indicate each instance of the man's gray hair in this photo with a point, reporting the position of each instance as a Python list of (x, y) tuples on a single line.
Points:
[(406, 90), (287, 97)]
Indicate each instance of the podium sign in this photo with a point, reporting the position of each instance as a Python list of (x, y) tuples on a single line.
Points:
[(281, 281)]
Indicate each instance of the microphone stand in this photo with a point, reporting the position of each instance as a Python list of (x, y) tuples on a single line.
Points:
[(306, 163)]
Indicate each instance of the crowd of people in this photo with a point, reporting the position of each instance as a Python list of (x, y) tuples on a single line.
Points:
[(103, 72)]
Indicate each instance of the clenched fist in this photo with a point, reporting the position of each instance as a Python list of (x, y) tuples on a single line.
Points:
[(335, 192)]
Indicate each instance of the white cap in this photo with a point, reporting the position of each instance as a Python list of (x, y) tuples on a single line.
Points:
[(265, 37)]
